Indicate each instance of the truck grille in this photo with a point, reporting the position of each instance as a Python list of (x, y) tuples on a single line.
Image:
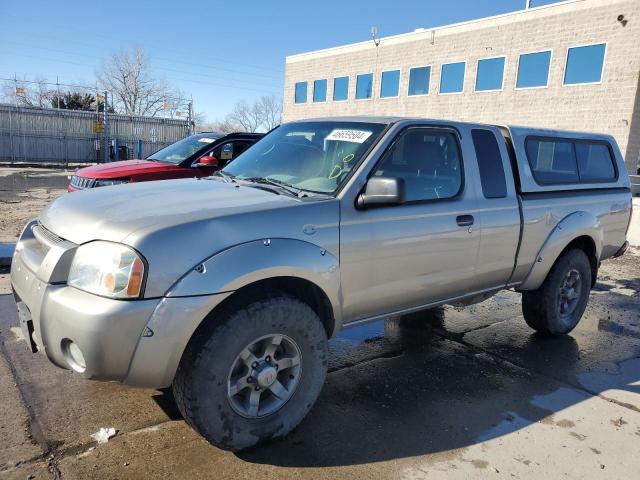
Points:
[(45, 238), (82, 182)]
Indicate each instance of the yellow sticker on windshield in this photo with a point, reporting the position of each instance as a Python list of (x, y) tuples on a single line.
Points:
[(347, 135)]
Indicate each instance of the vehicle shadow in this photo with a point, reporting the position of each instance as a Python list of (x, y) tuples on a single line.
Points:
[(430, 394)]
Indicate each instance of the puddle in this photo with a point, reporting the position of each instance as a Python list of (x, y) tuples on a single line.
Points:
[(626, 378), (383, 338), (631, 330), (363, 333), (628, 288)]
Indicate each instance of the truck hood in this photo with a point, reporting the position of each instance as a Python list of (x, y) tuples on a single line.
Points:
[(125, 168), (116, 212)]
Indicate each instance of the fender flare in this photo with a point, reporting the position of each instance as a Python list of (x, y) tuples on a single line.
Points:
[(250, 262), (574, 225)]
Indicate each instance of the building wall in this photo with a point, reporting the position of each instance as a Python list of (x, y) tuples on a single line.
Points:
[(611, 106)]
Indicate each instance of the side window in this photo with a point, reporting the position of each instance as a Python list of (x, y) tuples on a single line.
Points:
[(594, 162), (494, 183), (552, 161), (428, 161), (240, 147)]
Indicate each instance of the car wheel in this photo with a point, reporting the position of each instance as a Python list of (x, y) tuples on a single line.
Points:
[(254, 373), (557, 306)]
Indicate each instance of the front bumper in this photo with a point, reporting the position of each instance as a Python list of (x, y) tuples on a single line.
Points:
[(137, 342), (105, 330)]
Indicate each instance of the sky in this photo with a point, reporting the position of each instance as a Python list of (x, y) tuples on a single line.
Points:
[(218, 52)]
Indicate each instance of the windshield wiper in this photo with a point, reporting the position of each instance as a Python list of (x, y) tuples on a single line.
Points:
[(226, 176), (287, 187)]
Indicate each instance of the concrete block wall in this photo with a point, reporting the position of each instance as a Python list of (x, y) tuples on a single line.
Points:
[(612, 106)]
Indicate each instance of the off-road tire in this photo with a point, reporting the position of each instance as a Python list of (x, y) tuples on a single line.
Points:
[(541, 307), (200, 386)]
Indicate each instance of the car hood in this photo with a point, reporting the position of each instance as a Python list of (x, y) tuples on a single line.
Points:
[(125, 168), (114, 213), (176, 224)]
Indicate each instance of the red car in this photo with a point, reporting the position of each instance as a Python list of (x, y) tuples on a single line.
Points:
[(195, 156)]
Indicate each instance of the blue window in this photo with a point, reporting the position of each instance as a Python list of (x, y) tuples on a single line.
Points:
[(301, 92), (584, 64), (452, 78), (364, 86), (340, 88), (490, 74), (533, 69), (419, 80), (390, 84), (320, 91)]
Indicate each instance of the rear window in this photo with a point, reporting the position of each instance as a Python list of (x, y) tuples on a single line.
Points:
[(494, 184), (561, 161)]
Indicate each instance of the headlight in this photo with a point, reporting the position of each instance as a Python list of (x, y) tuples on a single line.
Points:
[(110, 181), (107, 269)]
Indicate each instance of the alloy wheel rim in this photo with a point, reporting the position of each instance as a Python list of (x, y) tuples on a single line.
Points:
[(569, 293), (264, 376)]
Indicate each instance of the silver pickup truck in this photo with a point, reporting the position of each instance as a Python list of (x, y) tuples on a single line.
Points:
[(227, 288)]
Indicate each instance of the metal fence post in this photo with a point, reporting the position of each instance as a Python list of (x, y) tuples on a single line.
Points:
[(106, 129), (13, 156), (139, 149), (116, 147)]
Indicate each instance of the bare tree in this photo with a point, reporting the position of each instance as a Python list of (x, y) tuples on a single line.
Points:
[(263, 114), (271, 111), (225, 125), (127, 75), (247, 117), (36, 93)]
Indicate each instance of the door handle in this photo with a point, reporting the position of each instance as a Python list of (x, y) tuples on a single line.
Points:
[(464, 220)]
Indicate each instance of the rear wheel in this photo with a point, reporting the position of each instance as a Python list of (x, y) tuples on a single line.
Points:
[(557, 306), (253, 374)]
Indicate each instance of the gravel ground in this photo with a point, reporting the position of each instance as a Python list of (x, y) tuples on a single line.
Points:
[(24, 192)]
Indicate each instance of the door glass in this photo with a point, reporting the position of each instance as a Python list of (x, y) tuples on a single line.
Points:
[(428, 161)]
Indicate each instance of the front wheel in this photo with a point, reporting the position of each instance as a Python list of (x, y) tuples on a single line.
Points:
[(557, 306), (254, 373)]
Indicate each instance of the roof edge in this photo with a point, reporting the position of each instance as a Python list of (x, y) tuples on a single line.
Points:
[(421, 31)]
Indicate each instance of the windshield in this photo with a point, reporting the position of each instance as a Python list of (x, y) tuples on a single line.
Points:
[(180, 151), (311, 156)]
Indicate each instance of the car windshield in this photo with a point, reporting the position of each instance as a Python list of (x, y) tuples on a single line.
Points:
[(180, 151), (311, 156)]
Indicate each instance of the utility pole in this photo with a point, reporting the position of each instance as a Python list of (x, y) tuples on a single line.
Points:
[(190, 118), (106, 130)]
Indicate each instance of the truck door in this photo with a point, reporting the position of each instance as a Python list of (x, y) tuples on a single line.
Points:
[(422, 251), (499, 215)]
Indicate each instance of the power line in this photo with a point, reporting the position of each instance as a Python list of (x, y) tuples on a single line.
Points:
[(200, 65), (163, 48), (215, 84)]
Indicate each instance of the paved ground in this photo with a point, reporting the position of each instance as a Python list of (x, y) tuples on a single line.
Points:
[(455, 393)]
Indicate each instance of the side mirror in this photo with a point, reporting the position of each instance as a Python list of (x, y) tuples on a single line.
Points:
[(381, 191), (207, 161)]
